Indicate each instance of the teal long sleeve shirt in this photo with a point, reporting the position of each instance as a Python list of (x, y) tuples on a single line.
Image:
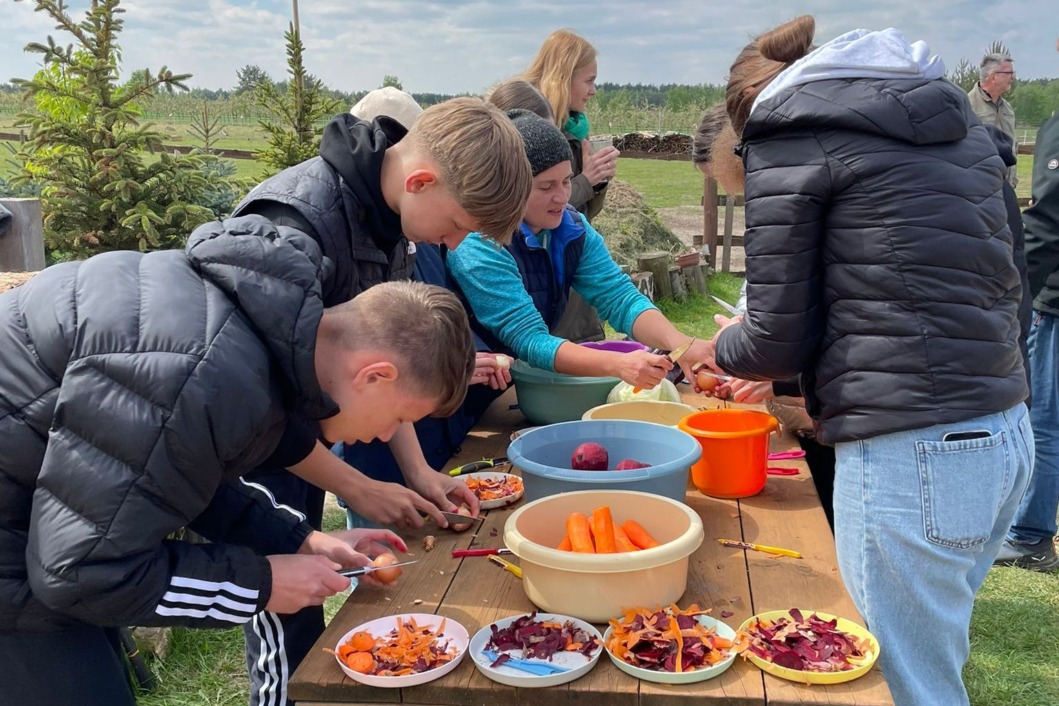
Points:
[(490, 279)]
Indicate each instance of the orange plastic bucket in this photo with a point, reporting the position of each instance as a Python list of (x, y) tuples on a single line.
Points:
[(735, 447)]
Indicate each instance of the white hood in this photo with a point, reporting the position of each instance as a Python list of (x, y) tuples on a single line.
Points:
[(861, 53)]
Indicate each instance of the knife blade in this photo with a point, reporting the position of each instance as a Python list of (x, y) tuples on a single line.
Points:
[(726, 306), (674, 356), (454, 518), (361, 570)]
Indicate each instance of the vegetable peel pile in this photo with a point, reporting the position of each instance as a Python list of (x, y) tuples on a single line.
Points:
[(494, 488), (540, 639), (667, 640), (407, 649), (805, 644)]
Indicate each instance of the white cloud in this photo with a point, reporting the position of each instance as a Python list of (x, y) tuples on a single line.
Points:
[(466, 45)]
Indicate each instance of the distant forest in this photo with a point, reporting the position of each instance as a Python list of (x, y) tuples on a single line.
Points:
[(1034, 100)]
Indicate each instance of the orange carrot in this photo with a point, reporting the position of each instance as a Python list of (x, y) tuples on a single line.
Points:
[(603, 530), (577, 528), (638, 535), (565, 544), (622, 541)]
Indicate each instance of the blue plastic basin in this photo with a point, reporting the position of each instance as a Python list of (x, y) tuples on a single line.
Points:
[(543, 456)]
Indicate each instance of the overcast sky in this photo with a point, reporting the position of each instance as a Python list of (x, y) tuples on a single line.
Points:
[(456, 46)]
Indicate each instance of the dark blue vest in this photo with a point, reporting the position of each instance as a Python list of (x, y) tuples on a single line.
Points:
[(547, 276)]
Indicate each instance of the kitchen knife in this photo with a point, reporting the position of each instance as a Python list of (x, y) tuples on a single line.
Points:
[(361, 570)]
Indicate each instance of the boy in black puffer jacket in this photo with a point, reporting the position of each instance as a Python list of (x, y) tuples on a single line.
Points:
[(136, 392)]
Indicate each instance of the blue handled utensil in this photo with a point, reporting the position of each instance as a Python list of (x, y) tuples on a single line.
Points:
[(541, 669)]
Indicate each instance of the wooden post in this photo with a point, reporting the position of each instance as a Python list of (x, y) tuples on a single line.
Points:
[(709, 219), (676, 284), (693, 279), (645, 282), (22, 246), (657, 263), (729, 216)]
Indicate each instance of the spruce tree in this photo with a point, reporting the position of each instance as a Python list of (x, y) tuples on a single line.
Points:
[(106, 183)]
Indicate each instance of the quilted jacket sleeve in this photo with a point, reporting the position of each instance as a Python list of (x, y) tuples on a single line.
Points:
[(1042, 218), (247, 514), (164, 397), (97, 547), (788, 186)]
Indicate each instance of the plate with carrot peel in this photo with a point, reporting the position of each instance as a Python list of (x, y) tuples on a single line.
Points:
[(401, 650), (494, 489), (670, 645)]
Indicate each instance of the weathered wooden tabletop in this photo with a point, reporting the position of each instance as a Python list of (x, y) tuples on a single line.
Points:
[(475, 592)]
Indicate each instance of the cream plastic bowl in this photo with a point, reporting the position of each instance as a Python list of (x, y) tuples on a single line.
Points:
[(598, 587), (654, 411)]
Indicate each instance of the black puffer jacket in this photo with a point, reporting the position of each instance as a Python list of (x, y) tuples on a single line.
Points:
[(879, 262), (1042, 221), (133, 387), (337, 199)]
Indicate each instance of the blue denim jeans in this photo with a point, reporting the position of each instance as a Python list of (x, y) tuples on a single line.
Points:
[(1035, 519), (918, 522)]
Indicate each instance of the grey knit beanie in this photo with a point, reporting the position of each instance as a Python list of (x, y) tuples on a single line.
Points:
[(545, 144)]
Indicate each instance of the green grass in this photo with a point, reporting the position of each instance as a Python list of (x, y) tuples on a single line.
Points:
[(663, 183), (1015, 640)]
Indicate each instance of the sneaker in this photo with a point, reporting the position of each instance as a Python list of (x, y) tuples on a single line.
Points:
[(1039, 556)]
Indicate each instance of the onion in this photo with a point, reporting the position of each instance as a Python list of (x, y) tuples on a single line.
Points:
[(386, 575), (466, 512)]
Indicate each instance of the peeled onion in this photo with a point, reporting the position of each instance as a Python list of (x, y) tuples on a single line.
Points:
[(705, 381), (386, 575), (466, 512)]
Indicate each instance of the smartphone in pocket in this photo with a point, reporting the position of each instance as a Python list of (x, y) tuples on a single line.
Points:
[(967, 435)]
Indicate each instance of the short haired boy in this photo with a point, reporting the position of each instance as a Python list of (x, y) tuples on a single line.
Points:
[(374, 191), (136, 390)]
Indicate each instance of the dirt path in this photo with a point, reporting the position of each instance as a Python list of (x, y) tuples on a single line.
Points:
[(686, 223)]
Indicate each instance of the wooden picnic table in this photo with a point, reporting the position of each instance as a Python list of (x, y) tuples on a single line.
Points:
[(734, 584)]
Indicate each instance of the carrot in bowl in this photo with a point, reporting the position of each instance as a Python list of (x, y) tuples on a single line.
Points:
[(603, 530), (577, 528), (638, 535)]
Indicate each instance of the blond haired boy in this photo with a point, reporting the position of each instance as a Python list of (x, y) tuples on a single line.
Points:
[(374, 191)]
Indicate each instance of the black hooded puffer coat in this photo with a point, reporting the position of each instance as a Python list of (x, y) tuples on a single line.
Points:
[(879, 261)]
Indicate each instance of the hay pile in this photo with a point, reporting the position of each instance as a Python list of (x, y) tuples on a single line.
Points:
[(13, 279), (630, 227)]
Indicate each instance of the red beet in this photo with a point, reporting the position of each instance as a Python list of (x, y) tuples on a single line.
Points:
[(589, 456), (627, 464)]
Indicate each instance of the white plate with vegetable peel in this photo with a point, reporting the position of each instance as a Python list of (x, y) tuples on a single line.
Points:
[(573, 663), (489, 482)]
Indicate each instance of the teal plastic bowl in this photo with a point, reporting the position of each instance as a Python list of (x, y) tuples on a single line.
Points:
[(546, 397)]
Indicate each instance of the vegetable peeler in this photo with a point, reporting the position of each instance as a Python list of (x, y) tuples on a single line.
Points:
[(479, 465), (759, 548), (457, 553), (506, 565)]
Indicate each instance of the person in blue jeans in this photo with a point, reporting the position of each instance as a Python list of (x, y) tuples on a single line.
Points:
[(880, 268), (1031, 541)]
